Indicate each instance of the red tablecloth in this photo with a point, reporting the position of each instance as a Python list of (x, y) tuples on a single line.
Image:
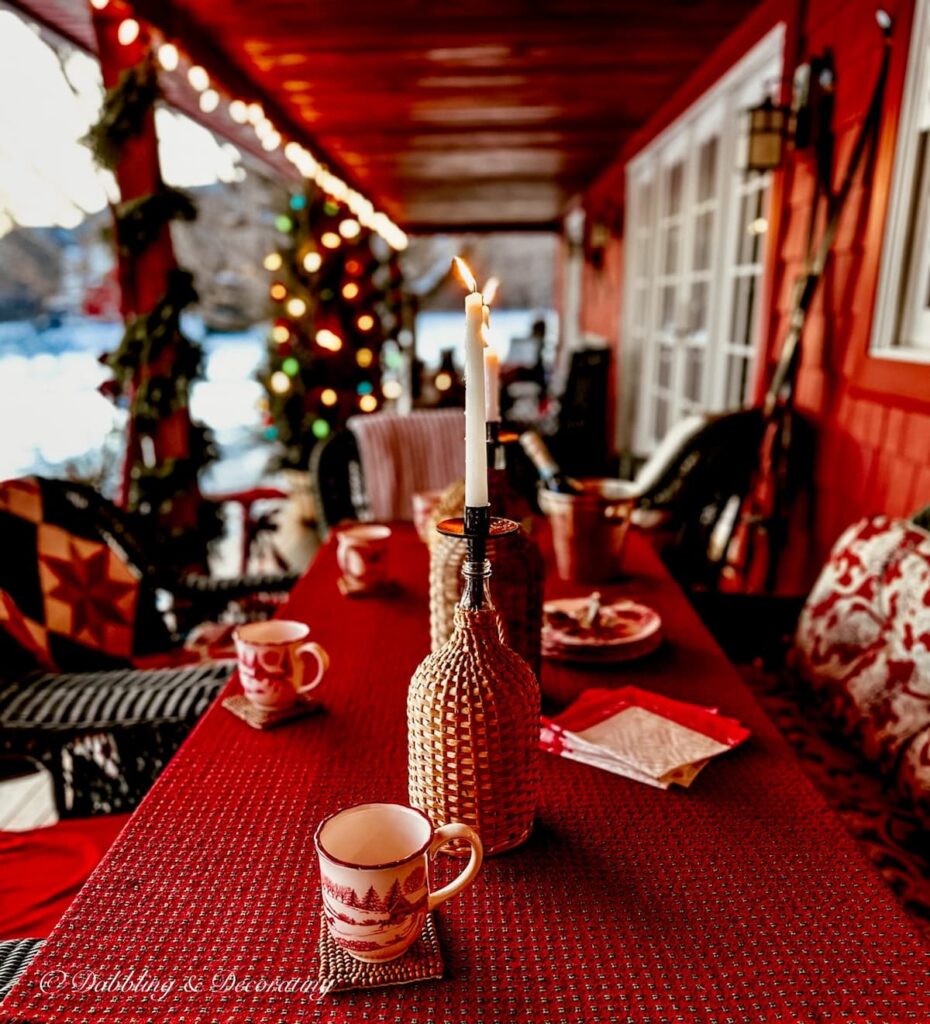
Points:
[(741, 899)]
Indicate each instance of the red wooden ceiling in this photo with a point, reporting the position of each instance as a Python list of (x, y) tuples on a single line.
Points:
[(473, 113), (481, 113)]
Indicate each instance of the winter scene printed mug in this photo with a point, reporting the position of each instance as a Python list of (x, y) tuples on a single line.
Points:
[(278, 663), (374, 871)]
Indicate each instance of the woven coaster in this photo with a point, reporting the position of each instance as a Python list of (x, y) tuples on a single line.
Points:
[(261, 718), (340, 972)]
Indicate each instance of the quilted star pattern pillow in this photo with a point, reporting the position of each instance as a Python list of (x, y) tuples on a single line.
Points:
[(863, 643), (68, 596)]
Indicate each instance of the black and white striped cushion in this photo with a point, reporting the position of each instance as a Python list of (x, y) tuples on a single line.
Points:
[(94, 700), (15, 956), (237, 586)]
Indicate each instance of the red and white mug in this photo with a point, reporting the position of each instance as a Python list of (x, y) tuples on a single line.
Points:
[(374, 869), (362, 553), (278, 663)]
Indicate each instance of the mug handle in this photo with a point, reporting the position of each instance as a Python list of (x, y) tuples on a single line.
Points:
[(444, 835), (322, 658)]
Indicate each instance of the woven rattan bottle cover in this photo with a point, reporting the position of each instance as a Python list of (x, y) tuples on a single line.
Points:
[(473, 732), (518, 576)]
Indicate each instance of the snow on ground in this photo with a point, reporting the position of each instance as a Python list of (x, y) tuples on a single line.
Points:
[(50, 410), (52, 415)]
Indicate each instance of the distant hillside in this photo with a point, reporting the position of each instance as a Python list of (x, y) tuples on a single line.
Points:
[(30, 271), (48, 271)]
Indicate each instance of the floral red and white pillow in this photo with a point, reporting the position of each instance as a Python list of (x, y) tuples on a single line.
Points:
[(863, 639)]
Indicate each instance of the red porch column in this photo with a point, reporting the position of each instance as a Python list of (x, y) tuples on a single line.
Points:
[(143, 279)]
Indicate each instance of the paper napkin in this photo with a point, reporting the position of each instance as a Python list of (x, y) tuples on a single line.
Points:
[(641, 735)]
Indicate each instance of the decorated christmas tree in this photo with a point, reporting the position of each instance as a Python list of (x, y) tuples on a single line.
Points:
[(335, 289)]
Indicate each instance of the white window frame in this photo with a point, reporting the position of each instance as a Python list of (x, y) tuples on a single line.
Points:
[(906, 237), (720, 110)]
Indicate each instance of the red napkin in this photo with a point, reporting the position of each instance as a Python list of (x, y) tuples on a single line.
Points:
[(641, 735)]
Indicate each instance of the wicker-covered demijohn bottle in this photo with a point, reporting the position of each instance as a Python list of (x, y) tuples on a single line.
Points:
[(473, 719)]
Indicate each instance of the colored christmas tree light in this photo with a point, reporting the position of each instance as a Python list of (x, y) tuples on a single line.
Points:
[(336, 298)]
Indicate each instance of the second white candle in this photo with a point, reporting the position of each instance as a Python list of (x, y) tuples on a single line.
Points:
[(476, 457)]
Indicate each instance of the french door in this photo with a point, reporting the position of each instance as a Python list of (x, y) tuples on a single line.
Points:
[(695, 236)]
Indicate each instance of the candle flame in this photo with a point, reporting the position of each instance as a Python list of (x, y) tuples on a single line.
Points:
[(464, 273), (490, 290)]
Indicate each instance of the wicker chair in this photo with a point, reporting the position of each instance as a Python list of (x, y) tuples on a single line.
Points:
[(103, 728), (336, 481), (419, 451), (15, 956), (104, 736), (195, 596)]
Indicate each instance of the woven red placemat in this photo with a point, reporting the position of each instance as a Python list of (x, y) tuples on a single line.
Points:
[(741, 899)]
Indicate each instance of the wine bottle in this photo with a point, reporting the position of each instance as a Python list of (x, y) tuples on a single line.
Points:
[(549, 472)]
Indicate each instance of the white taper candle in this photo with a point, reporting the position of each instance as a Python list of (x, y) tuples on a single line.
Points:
[(476, 458)]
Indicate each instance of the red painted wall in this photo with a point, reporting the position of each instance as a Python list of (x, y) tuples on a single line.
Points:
[(872, 416), (602, 282)]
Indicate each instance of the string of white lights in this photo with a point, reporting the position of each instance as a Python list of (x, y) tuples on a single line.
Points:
[(171, 58)]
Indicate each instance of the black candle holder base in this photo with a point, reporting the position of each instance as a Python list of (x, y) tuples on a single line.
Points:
[(475, 528)]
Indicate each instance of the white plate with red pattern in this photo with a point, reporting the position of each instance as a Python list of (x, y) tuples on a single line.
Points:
[(620, 631)]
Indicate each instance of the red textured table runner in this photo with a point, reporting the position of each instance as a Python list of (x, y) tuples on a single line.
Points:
[(742, 899)]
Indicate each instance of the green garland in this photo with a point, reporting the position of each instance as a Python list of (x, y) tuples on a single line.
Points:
[(153, 490), (140, 221), (146, 336), (125, 107)]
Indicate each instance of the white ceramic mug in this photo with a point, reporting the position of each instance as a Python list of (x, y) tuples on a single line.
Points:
[(374, 871), (361, 552), (273, 660)]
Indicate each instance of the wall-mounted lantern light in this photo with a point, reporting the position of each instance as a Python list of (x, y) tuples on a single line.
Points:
[(768, 124)]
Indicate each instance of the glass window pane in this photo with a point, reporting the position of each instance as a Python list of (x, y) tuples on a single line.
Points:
[(752, 289), (667, 311), (744, 249), (703, 233), (757, 226), (737, 380), (707, 169), (915, 323), (694, 372), (675, 179), (738, 311), (698, 308), (745, 293), (670, 250), (665, 367), (660, 421)]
